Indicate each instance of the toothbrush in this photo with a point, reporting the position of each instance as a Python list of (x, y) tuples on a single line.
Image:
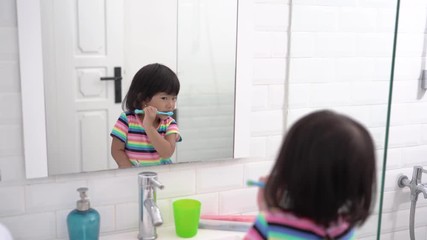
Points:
[(138, 111), (255, 183)]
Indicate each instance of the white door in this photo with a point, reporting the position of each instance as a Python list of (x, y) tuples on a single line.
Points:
[(79, 48)]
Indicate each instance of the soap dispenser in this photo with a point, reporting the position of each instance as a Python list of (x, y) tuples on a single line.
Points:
[(83, 222)]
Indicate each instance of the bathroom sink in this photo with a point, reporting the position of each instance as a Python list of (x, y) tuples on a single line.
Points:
[(231, 237), (202, 234), (168, 233)]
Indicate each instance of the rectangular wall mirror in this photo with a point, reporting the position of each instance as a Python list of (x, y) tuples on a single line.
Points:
[(82, 41)]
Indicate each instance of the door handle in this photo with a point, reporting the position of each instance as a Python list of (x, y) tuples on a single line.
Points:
[(117, 84)]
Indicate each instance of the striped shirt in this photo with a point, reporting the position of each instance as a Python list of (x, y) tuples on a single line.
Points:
[(284, 225), (138, 147)]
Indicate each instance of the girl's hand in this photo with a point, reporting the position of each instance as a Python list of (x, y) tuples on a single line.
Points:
[(260, 197), (150, 114)]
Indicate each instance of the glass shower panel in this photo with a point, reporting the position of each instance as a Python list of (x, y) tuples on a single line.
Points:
[(340, 58), (407, 140)]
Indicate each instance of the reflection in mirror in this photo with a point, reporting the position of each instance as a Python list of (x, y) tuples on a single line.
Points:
[(146, 133), (84, 41), (79, 48), (206, 67)]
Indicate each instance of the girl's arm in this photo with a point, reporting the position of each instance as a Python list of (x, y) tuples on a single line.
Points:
[(118, 153), (260, 196), (165, 146)]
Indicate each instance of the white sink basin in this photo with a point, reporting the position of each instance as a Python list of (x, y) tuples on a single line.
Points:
[(168, 233)]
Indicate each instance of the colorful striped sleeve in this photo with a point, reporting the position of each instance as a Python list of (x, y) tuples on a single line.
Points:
[(173, 128), (259, 230), (120, 129)]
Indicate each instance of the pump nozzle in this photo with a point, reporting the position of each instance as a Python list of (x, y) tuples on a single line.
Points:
[(82, 192), (83, 204)]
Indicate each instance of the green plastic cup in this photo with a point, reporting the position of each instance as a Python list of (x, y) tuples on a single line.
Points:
[(186, 213)]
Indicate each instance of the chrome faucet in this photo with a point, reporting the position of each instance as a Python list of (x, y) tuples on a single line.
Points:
[(416, 187), (149, 213), (414, 184)]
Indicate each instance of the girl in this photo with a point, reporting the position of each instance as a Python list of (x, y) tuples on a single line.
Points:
[(323, 182), (148, 138)]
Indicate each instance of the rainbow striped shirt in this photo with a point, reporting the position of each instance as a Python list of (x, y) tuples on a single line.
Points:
[(284, 225), (138, 147)]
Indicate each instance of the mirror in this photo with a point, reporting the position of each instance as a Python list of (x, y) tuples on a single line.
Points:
[(206, 66), (79, 48)]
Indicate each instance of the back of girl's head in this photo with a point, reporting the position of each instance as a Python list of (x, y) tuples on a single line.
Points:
[(325, 170), (147, 82)]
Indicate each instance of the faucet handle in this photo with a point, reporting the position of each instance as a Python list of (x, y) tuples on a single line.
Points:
[(417, 174), (420, 168), (154, 212)]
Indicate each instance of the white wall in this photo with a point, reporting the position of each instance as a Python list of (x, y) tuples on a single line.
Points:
[(40, 206), (340, 58)]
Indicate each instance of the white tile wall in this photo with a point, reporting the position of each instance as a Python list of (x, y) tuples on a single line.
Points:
[(127, 215), (39, 199), (237, 201), (340, 56), (407, 134), (12, 200)]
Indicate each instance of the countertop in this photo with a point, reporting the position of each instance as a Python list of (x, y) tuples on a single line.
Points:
[(168, 233)]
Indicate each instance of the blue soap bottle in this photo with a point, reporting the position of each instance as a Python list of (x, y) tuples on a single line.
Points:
[(83, 222)]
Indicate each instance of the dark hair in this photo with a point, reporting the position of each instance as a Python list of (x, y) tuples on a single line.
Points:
[(147, 82), (325, 170)]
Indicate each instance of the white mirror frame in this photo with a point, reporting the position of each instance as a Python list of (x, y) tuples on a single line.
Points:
[(32, 88)]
